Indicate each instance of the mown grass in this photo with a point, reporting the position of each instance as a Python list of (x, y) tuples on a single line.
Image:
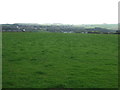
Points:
[(57, 60)]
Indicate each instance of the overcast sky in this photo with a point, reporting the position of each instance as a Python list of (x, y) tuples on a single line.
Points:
[(59, 11)]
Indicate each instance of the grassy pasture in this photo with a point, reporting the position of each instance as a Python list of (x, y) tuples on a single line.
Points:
[(59, 60)]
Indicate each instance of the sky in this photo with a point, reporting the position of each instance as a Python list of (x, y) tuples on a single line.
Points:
[(59, 11)]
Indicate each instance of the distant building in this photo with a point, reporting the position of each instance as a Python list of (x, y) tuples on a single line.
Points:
[(23, 30), (67, 31)]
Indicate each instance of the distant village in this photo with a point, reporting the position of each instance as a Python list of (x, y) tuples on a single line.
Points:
[(56, 28)]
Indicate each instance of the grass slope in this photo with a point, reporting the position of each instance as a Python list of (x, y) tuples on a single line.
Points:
[(57, 60)]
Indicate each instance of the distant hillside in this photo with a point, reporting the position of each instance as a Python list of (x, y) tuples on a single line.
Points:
[(107, 26), (84, 28)]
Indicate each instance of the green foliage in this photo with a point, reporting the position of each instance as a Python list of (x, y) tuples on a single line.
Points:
[(59, 60)]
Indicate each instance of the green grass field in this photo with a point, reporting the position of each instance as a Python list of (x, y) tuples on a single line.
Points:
[(58, 60)]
